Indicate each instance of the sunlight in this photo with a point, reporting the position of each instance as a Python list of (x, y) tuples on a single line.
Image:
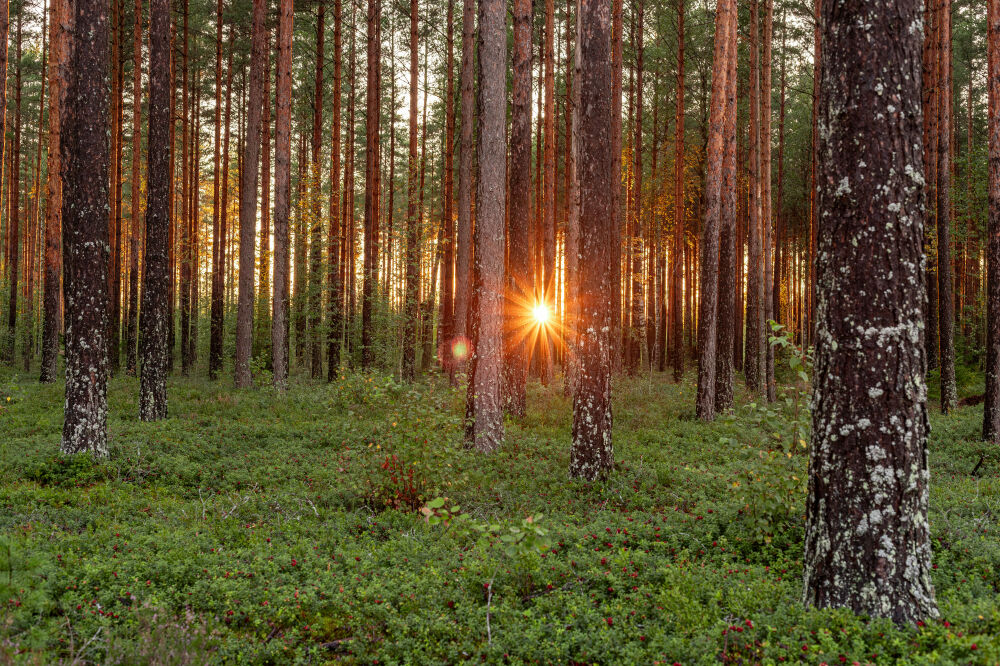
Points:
[(540, 313)]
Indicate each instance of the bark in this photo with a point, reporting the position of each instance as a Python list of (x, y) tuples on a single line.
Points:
[(677, 248), (53, 202), (991, 404), (484, 412), (154, 318), (616, 173), (218, 233), (282, 193), (334, 267), (463, 261), (14, 204), (592, 453), (867, 542), (946, 286), (135, 196), (549, 190), (371, 187), (767, 233), (262, 319), (519, 327), (412, 287), (634, 350), (709, 268), (85, 154), (753, 365), (316, 217), (184, 283), (248, 200)]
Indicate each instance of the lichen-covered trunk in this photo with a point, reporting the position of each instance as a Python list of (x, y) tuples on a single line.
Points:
[(867, 544), (282, 193), (991, 405), (248, 200), (85, 152), (709, 268), (519, 328), (484, 429), (592, 452), (154, 318)]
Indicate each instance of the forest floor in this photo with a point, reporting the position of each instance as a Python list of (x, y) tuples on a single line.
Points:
[(269, 529)]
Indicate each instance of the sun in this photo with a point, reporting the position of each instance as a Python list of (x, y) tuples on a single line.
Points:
[(540, 313)]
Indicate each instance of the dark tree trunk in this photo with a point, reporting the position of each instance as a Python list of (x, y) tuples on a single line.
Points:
[(84, 151), (484, 429), (370, 271), (677, 247), (709, 269), (135, 243), (946, 286), (218, 233), (248, 200), (316, 217), (53, 203), (448, 273), (519, 327), (463, 261), (14, 204), (592, 452), (753, 365), (334, 268), (991, 405), (282, 192), (867, 542), (766, 218), (412, 288), (154, 318)]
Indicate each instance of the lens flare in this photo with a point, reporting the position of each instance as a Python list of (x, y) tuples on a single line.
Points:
[(460, 349), (540, 313)]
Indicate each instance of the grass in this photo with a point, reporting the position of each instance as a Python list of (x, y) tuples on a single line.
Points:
[(254, 528)]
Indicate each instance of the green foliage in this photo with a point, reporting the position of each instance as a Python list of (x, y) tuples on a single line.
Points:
[(254, 528)]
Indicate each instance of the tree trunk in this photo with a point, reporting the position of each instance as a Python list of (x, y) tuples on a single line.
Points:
[(154, 318), (371, 187), (84, 152), (447, 330), (14, 203), (282, 192), (412, 294), (677, 248), (484, 412), (753, 365), (767, 233), (709, 274), (592, 453), (616, 188), (218, 233), (991, 404), (334, 267), (316, 218), (946, 315), (248, 200), (53, 202), (463, 262), (867, 545)]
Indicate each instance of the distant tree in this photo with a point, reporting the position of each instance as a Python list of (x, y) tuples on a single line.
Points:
[(370, 270), (484, 430), (677, 247), (946, 285), (154, 319), (218, 234), (463, 260), (412, 275), (334, 267), (85, 154), (592, 452), (867, 544)]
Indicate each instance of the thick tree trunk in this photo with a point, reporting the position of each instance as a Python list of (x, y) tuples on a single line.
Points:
[(248, 200), (709, 269), (53, 202), (592, 453), (154, 319), (84, 152), (282, 193), (484, 411), (867, 537)]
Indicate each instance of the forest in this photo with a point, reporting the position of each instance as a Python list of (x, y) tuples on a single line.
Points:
[(514, 332)]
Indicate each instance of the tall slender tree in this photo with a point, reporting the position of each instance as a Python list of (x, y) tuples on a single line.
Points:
[(334, 268), (316, 277), (370, 270), (282, 194), (463, 260), (867, 545), (85, 154), (412, 276), (991, 405), (677, 248), (484, 429), (248, 199), (946, 286), (218, 235), (154, 317)]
